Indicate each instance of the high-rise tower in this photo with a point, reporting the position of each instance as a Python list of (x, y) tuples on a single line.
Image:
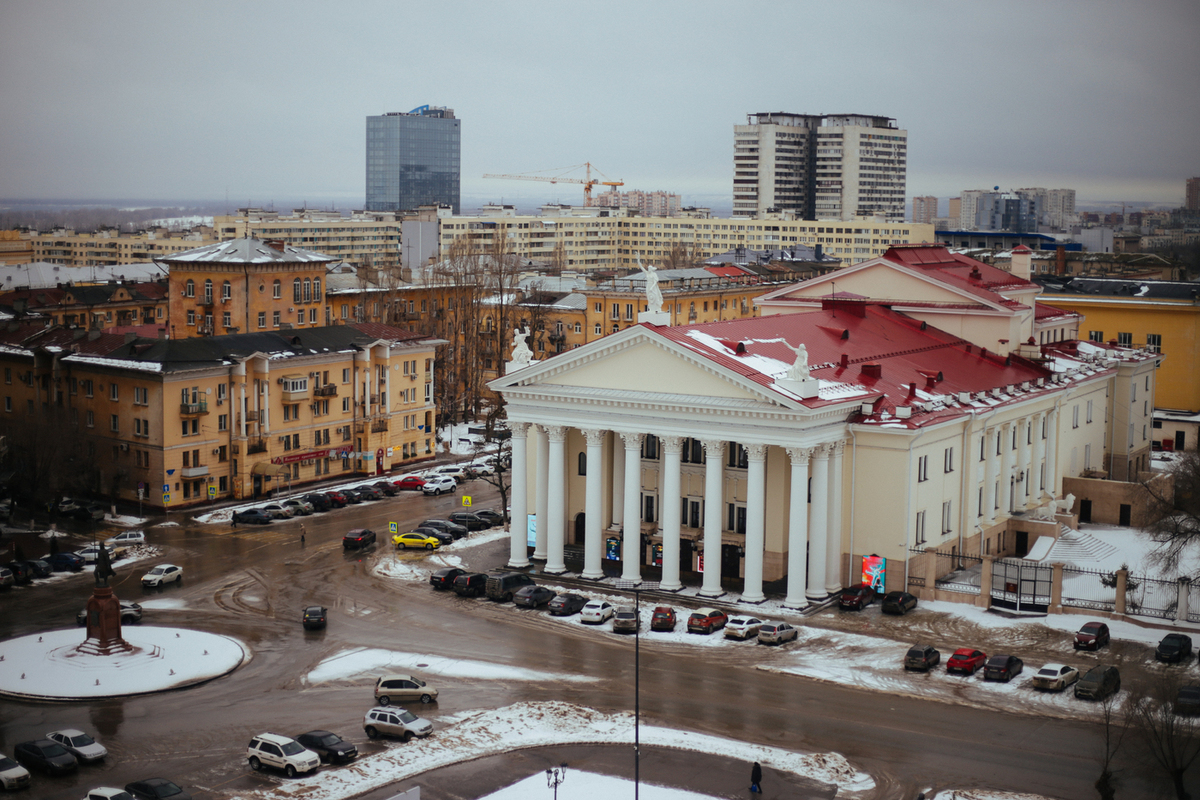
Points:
[(413, 159)]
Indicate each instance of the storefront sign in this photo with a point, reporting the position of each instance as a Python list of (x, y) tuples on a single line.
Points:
[(612, 548), (292, 458), (874, 572)]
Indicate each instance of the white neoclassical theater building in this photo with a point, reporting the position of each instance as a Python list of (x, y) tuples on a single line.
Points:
[(918, 413)]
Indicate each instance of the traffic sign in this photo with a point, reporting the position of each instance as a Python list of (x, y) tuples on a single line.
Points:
[(166, 497), (393, 528), (141, 493), (166, 488), (141, 484), (212, 492), (466, 501)]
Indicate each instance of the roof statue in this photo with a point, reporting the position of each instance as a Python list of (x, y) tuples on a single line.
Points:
[(104, 569), (798, 371), (654, 298), (521, 354)]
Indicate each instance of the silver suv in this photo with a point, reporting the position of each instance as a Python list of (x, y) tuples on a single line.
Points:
[(280, 752), (394, 721)]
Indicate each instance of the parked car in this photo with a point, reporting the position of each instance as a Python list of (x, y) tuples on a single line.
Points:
[(7, 579), (21, 571), (456, 471), (369, 492), (478, 469), (314, 618), (89, 512), (1002, 668), (1173, 648), (596, 612), (966, 660), (39, 568), (501, 588), (663, 619), (329, 746), (127, 539), (439, 484), (352, 496), (410, 482), (776, 633), (156, 789), (281, 752), (856, 597), (1098, 683), (131, 613), (163, 574), (1055, 677), (45, 756), (533, 596), (490, 516), (89, 553), (742, 627), (566, 604), (279, 510), (444, 578), (253, 516), (403, 688), (706, 620), (298, 506), (336, 499), (898, 603), (1188, 700), (387, 487), (358, 538), (625, 620), (319, 501), (12, 775), (442, 536), (395, 722), (1092, 636), (471, 585), (922, 657), (452, 528), (469, 520), (107, 793), (65, 562), (415, 541), (86, 749)]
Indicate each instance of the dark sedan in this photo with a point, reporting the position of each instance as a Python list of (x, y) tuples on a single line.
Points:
[(352, 496), (40, 567), (1173, 648), (65, 562), (473, 584), (358, 538), (1002, 668), (22, 572), (469, 520), (329, 746), (566, 604), (443, 537), (444, 578), (898, 603), (369, 493), (857, 597), (452, 528), (320, 502), (533, 596), (387, 488), (45, 755), (314, 618), (156, 789), (253, 516), (490, 516)]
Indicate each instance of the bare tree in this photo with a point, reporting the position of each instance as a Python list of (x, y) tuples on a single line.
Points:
[(1172, 740), (683, 255), (1114, 725), (501, 458), (1173, 508), (50, 458)]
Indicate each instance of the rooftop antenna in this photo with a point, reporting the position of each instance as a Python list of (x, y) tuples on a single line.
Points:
[(832, 295)]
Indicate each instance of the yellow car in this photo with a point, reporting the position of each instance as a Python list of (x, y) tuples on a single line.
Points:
[(407, 540)]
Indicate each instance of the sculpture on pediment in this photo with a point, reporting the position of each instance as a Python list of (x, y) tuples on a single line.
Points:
[(521, 354), (654, 298), (798, 371)]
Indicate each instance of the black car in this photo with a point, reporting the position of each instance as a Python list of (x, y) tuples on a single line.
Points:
[(857, 597), (503, 586), (329, 746), (22, 572), (353, 496), (452, 528), (45, 755), (471, 585), (1002, 668), (1173, 648), (566, 604), (898, 603), (387, 487), (40, 568), (490, 516), (469, 520), (130, 613), (443, 537), (444, 578), (1099, 682), (358, 538), (533, 596), (1188, 700), (156, 789), (314, 618), (319, 501), (922, 657), (88, 512), (252, 516), (65, 562)]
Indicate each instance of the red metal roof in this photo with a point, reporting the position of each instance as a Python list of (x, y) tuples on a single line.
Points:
[(727, 272), (960, 271), (1043, 311)]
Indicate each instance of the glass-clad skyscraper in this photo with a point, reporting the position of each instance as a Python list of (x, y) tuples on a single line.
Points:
[(413, 159)]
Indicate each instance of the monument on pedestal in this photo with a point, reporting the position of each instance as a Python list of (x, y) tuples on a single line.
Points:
[(654, 313), (521, 354), (104, 614), (796, 380)]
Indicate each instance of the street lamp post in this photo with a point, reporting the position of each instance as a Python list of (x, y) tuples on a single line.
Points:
[(555, 776), (637, 587)]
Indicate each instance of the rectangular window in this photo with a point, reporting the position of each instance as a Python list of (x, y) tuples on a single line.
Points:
[(262, 319), (113, 392), (948, 460), (922, 469), (223, 422), (227, 319), (1089, 411), (295, 385), (345, 376), (1125, 339), (1154, 342), (114, 424), (920, 528), (91, 419), (8, 375), (8, 403), (1075, 416), (947, 525), (275, 319), (1095, 336)]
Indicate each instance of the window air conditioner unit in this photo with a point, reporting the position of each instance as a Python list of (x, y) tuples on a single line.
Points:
[(220, 401), (124, 447), (216, 451)]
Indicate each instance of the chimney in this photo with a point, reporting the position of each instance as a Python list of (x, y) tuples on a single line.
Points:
[(845, 360), (1022, 257), (1060, 260), (275, 244), (872, 370)]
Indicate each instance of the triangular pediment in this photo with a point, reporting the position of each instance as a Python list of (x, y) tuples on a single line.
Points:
[(880, 281)]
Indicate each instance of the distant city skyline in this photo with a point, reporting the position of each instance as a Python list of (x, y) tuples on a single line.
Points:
[(244, 101)]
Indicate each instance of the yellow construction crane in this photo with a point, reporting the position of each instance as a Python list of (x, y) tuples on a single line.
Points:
[(587, 182)]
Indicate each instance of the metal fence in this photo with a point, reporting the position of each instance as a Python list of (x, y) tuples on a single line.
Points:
[(1021, 585), (1151, 597), (950, 572), (1194, 602), (1089, 588)]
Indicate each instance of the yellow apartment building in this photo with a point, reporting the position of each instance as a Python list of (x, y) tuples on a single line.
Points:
[(100, 306), (365, 237), (15, 248), (111, 247)]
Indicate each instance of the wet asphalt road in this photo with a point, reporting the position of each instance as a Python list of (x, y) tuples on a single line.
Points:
[(251, 582)]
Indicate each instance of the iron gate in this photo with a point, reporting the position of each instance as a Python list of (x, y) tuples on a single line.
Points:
[(1089, 588), (1020, 585)]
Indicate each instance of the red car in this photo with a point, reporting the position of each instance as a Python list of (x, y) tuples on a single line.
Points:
[(1092, 636), (409, 482), (857, 597), (663, 619), (706, 620), (966, 661)]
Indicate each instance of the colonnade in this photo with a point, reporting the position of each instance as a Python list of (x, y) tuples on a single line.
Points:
[(1020, 466)]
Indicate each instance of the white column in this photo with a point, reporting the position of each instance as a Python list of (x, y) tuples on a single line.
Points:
[(541, 524), (756, 484), (1052, 452), (618, 485), (631, 549), (797, 528), (264, 412), (714, 500), (518, 550), (833, 546), (1039, 453), (593, 546), (818, 523), (1023, 489), (671, 512), (242, 386), (989, 474), (1006, 467), (556, 511)]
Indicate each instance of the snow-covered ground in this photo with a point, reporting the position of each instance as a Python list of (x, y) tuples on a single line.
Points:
[(588, 785)]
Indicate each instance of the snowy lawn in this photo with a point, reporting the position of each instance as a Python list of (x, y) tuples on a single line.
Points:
[(363, 661)]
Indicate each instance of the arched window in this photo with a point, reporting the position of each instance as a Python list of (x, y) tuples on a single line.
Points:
[(189, 288), (317, 289), (226, 290), (296, 291), (276, 289), (208, 291), (583, 463)]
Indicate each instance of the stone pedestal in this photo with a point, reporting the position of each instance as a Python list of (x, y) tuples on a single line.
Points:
[(805, 389), (661, 318), (104, 624)]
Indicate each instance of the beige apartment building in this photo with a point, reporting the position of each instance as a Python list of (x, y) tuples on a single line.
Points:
[(365, 237), (111, 247)]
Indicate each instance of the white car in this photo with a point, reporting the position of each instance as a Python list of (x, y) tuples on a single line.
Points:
[(1055, 677), (437, 484), (107, 793), (127, 538), (163, 573), (456, 471), (482, 468), (742, 627), (280, 752), (79, 744), (301, 508), (12, 774), (776, 633), (596, 611), (90, 553)]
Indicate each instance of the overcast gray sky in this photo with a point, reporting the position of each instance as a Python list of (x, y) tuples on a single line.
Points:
[(266, 100)]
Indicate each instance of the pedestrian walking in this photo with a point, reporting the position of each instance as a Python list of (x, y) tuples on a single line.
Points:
[(756, 778), (233, 520), (302, 533)]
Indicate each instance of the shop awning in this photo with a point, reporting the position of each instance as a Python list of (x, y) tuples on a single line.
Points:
[(267, 468)]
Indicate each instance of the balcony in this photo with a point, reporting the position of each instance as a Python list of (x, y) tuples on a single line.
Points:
[(251, 416), (379, 426), (328, 390), (256, 446), (193, 409), (195, 472)]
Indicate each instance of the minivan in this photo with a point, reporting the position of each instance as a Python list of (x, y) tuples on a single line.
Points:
[(922, 657), (1099, 682), (501, 588)]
